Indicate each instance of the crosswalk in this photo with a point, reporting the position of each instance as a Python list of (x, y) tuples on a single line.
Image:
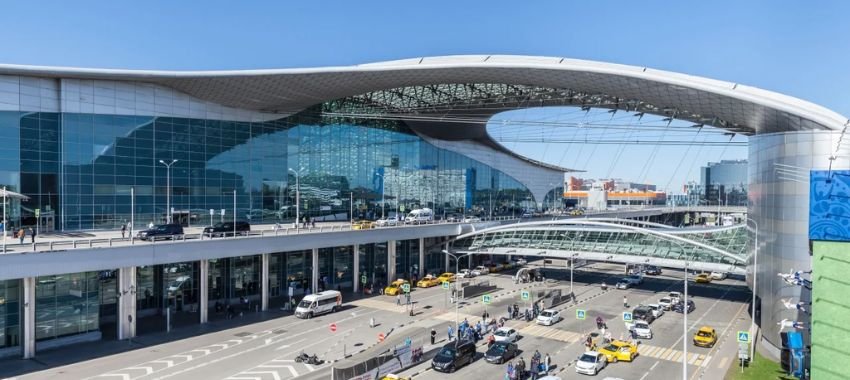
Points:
[(550, 333), (380, 305), (666, 353), (460, 317), (277, 369)]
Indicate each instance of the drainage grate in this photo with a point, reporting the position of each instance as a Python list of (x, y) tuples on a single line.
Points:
[(242, 334)]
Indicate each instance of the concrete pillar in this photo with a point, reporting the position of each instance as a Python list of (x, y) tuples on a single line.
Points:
[(421, 258), (391, 252), (126, 303), (204, 289), (356, 268), (264, 280), (28, 338), (446, 269), (314, 285), (469, 261)]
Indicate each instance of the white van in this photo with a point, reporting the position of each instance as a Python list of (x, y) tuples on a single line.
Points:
[(420, 216), (314, 304)]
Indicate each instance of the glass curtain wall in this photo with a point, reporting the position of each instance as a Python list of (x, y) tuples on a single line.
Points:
[(10, 309), (407, 259), (66, 305), (79, 169)]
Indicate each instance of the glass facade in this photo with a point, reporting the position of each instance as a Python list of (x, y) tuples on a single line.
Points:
[(79, 169), (66, 305), (10, 313)]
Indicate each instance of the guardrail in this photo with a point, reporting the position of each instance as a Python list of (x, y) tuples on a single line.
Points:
[(277, 230)]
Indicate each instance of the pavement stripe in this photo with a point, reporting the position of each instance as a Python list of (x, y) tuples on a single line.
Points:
[(722, 363), (677, 356)]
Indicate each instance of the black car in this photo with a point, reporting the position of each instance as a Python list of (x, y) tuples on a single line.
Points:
[(453, 356), (680, 307), (652, 270), (226, 229), (501, 352), (644, 313), (161, 231)]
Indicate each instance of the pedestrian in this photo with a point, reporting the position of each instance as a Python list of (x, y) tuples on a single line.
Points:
[(535, 364), (32, 235), (398, 299), (547, 362), (433, 336), (150, 225), (520, 368), (372, 322), (313, 222), (123, 230), (625, 302), (510, 311), (510, 371), (451, 333), (21, 235)]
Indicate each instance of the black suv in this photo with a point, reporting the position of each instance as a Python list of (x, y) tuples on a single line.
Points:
[(161, 231), (644, 313), (226, 229), (453, 356), (652, 270)]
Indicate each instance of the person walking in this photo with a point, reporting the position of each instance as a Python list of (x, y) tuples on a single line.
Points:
[(398, 299), (32, 235), (451, 333), (150, 225), (371, 322), (433, 336), (547, 362), (123, 230), (625, 302), (520, 368), (21, 235)]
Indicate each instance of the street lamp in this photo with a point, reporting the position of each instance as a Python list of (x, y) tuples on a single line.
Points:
[(755, 274), (383, 189), (685, 316), (168, 188), (297, 197), (572, 260), (457, 293)]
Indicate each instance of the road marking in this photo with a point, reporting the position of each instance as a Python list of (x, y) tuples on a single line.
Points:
[(722, 363), (273, 373)]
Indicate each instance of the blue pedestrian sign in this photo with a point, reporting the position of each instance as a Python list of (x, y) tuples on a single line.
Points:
[(445, 285), (486, 299), (581, 314), (627, 316), (743, 336), (525, 295)]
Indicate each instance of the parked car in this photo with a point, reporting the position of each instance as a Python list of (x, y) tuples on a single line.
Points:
[(624, 284), (506, 334), (590, 363), (643, 312), (226, 229), (362, 225), (666, 303), (676, 297), (641, 329), (395, 287), (454, 218), (680, 307), (636, 279), (705, 337), (471, 219), (454, 356), (428, 281), (652, 270), (718, 276), (480, 270), (448, 276), (657, 309), (387, 222), (549, 317), (520, 261), (161, 231), (619, 350), (501, 352), (702, 278), (465, 273)]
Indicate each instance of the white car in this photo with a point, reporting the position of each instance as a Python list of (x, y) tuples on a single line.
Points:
[(675, 297), (641, 329), (624, 284), (471, 219), (506, 334), (387, 222), (480, 270), (657, 309), (549, 317), (718, 275), (465, 273), (520, 261), (666, 303), (590, 363)]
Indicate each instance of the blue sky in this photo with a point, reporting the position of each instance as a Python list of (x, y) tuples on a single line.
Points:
[(797, 48)]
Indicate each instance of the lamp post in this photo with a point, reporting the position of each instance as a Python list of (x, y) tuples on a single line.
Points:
[(572, 259), (755, 275), (383, 190), (457, 293), (685, 317), (168, 188), (297, 197)]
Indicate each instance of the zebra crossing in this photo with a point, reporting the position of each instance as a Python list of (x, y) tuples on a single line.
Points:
[(277, 369), (550, 333), (667, 353), (373, 303)]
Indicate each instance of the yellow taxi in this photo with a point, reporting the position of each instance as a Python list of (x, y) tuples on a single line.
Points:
[(702, 278), (576, 212), (395, 287), (428, 281), (362, 225), (618, 350), (494, 267), (391, 376), (448, 276), (705, 337)]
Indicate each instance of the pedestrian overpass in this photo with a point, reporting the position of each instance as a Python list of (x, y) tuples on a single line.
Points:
[(722, 248)]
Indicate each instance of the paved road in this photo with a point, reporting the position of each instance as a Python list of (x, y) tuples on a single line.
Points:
[(265, 350)]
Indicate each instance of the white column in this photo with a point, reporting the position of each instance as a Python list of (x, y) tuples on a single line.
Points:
[(28, 338), (469, 261), (264, 276), (356, 268), (315, 280), (391, 252), (421, 257), (204, 289), (126, 303), (446, 269)]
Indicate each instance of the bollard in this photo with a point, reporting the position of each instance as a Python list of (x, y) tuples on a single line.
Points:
[(90, 243), (110, 242), (51, 245), (75, 243)]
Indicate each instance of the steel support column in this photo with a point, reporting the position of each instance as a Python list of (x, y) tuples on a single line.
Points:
[(314, 281), (356, 268), (421, 258), (391, 252), (204, 289), (126, 303), (264, 281), (28, 339)]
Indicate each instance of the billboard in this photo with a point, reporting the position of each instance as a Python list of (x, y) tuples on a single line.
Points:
[(829, 205)]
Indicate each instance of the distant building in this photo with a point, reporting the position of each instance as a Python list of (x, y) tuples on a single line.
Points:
[(724, 183), (602, 193), (691, 196)]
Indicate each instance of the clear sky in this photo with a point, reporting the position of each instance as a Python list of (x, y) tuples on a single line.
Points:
[(799, 48)]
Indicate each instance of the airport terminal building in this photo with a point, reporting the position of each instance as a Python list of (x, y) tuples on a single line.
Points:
[(92, 149)]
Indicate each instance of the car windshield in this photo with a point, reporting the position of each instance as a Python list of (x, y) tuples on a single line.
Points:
[(588, 358), (502, 332), (447, 352), (546, 313), (665, 300), (610, 347), (218, 225), (304, 304), (704, 334), (641, 326), (498, 348), (161, 228)]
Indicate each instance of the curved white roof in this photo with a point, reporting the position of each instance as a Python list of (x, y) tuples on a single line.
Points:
[(740, 108)]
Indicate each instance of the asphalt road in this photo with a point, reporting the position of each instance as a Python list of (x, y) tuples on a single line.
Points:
[(266, 350)]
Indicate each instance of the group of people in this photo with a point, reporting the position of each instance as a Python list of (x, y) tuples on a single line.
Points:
[(21, 234), (538, 365)]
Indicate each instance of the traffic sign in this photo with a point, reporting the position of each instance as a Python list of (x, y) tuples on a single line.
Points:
[(486, 299), (525, 295), (627, 316), (446, 285), (405, 288), (363, 279), (581, 314), (37, 212), (743, 336), (333, 327), (381, 337)]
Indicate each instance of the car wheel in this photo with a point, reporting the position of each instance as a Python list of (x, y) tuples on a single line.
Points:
[(310, 315), (614, 360)]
